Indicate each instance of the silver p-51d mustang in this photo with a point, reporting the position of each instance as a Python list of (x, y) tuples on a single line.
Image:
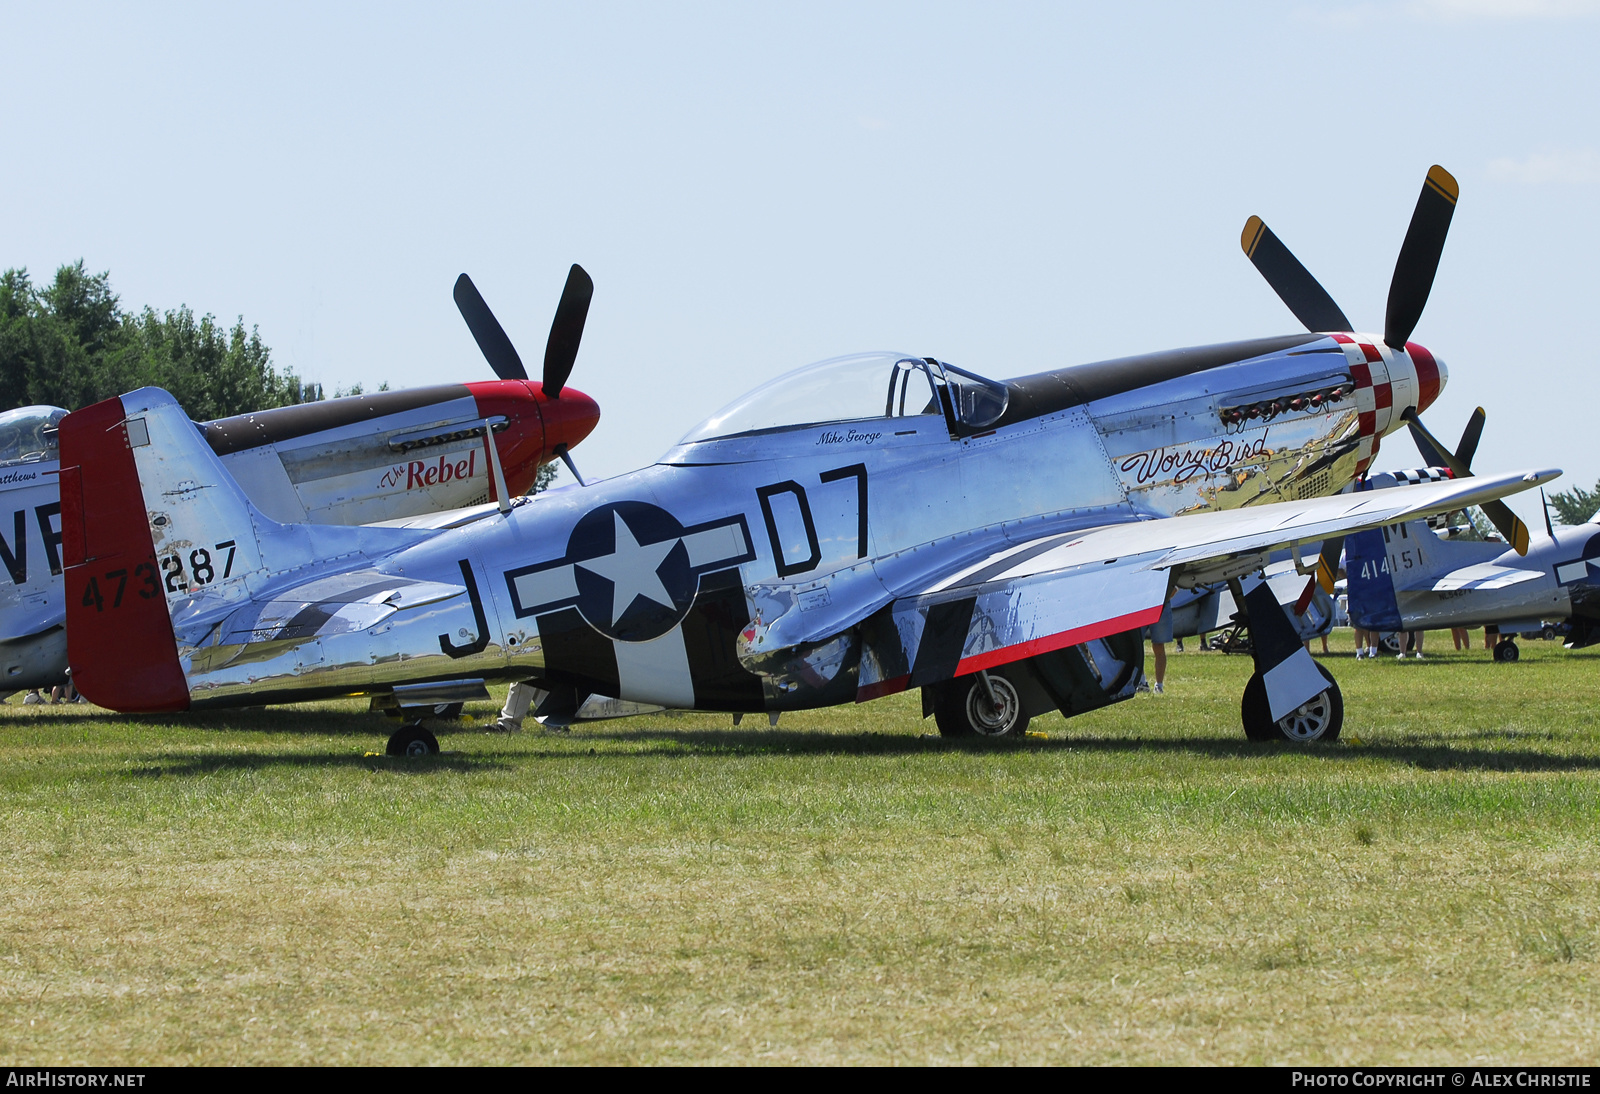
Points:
[(851, 530)]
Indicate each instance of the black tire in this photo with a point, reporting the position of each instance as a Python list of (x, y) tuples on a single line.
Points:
[(1548, 634), (961, 709), (413, 741), (1320, 719), (1506, 651)]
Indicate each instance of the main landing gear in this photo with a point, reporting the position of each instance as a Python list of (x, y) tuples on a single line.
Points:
[(1317, 719), (1506, 650), (984, 704)]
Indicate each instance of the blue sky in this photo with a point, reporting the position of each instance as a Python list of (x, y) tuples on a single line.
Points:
[(1009, 187)]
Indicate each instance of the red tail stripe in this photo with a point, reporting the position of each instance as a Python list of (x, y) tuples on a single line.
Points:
[(119, 635)]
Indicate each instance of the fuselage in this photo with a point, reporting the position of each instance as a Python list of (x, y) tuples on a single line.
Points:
[(730, 575), (355, 460), (1406, 577)]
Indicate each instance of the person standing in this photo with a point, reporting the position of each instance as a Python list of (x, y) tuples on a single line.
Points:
[(522, 697), (1160, 633)]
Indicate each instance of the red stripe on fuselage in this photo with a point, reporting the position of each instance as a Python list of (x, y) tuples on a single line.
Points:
[(883, 687)]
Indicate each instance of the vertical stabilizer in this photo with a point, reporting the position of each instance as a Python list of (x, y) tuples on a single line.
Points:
[(119, 632), (162, 544)]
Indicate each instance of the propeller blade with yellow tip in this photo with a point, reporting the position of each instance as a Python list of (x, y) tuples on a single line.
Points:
[(1292, 282), (1498, 512), (1419, 255)]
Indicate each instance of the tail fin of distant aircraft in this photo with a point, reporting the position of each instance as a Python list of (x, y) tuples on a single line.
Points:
[(158, 538), (1373, 605)]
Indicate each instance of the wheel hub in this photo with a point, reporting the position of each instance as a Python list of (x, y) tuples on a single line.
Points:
[(993, 719), (1309, 720)]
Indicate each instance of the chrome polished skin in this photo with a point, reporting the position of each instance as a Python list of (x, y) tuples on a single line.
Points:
[(794, 529)]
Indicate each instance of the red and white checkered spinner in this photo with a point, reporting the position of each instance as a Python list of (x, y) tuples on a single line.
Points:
[(1387, 382)]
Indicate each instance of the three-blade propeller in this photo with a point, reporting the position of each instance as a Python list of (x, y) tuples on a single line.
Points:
[(1414, 270), (566, 331), (1498, 512), (1460, 464)]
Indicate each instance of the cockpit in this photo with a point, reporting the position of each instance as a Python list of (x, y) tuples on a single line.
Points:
[(28, 434), (858, 387)]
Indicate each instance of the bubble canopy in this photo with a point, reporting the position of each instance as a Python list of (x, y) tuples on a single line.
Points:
[(853, 388), (28, 434)]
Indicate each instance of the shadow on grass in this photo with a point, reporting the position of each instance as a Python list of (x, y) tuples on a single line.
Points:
[(188, 766), (645, 740), (280, 720), (1427, 755)]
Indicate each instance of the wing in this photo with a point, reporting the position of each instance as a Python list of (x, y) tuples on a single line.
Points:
[(1064, 589)]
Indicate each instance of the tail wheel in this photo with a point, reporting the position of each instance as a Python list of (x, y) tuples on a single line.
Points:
[(1319, 718), (413, 741), (1506, 651), (964, 709)]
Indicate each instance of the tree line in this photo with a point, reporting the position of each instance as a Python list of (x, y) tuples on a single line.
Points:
[(70, 343)]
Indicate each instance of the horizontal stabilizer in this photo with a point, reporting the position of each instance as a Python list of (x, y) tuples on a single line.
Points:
[(1484, 576)]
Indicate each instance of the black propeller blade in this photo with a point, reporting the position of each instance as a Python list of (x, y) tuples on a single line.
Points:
[(1433, 456), (566, 331), (486, 329), (1544, 503), (1292, 282), (1419, 256), (1468, 447), (1498, 512)]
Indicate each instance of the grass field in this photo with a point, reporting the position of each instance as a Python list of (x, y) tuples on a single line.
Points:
[(1141, 887)]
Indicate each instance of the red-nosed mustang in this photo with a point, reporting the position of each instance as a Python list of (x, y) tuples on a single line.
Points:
[(853, 529), (361, 459)]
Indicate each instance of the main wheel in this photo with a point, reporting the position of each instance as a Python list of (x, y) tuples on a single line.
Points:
[(413, 740), (1317, 719), (1506, 650), (962, 709)]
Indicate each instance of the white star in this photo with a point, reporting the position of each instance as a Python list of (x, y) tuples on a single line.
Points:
[(631, 569)]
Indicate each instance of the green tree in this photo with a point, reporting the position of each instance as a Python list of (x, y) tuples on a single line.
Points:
[(1577, 505), (70, 344)]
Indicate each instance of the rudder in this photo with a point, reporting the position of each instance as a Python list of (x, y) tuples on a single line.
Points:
[(119, 633)]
